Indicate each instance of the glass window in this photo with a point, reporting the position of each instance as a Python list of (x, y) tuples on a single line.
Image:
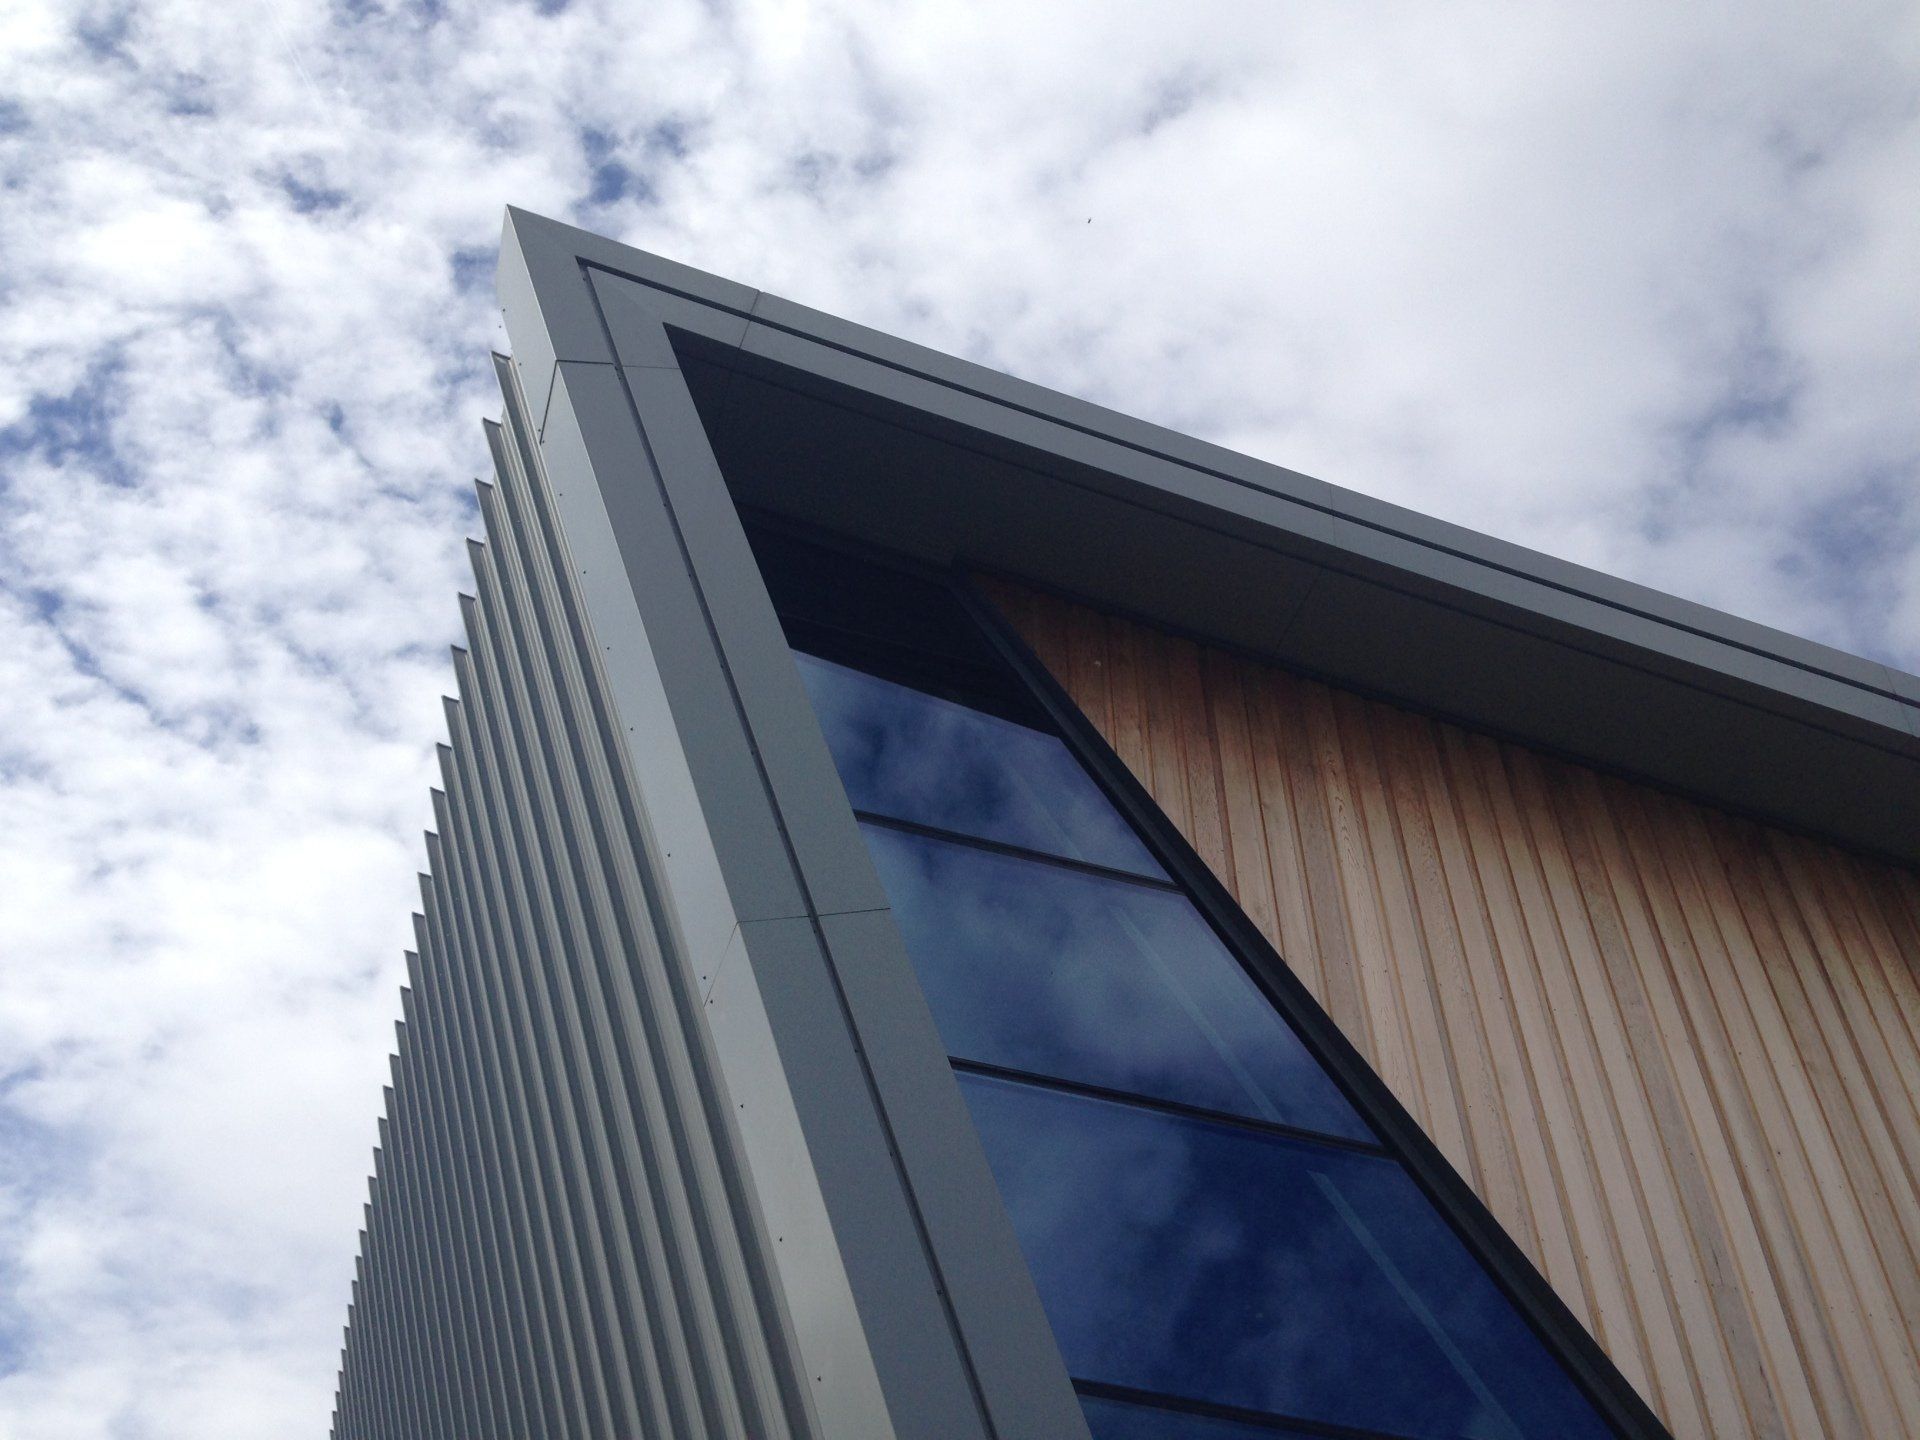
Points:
[(1224, 1249), (1040, 968), (1111, 1419), (1200, 1259), (914, 756)]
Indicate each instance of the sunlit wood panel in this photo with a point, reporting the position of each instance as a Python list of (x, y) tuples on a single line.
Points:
[(1675, 1051)]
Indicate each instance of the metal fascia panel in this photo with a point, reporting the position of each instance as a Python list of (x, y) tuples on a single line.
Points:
[(1719, 672)]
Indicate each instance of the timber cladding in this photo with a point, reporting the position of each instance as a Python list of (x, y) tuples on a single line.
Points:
[(1676, 1052)]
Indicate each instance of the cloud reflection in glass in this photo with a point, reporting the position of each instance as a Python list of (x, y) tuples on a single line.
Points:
[(914, 756), (1117, 1420), (1039, 968), (1219, 1260), (1207, 1260)]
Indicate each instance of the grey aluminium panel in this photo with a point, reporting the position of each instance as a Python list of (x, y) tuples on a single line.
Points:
[(496, 1008), (678, 1293), (817, 1029), (399, 1406), (470, 1106), (573, 1030), (455, 1322), (953, 478), (733, 871), (500, 1109), (579, 1162), (884, 441), (456, 1124), (706, 1273)]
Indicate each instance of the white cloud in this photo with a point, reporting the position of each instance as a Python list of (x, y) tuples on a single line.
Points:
[(1634, 283)]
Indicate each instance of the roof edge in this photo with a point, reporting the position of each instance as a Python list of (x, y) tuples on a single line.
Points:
[(548, 285)]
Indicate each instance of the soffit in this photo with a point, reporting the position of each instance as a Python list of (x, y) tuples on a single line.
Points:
[(867, 436)]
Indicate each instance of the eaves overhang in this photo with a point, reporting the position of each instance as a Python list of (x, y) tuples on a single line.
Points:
[(864, 435)]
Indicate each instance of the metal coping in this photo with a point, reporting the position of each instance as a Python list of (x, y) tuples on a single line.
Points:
[(947, 461)]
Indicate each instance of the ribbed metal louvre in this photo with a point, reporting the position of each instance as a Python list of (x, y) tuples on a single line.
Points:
[(557, 1240)]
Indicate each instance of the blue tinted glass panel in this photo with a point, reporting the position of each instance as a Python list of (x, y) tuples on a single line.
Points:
[(1035, 967), (1117, 1420), (914, 756), (1203, 1259)]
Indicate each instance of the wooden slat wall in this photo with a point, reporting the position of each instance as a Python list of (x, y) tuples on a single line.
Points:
[(1676, 1052)]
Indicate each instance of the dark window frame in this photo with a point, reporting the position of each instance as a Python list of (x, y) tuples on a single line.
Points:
[(1162, 1100), (1286, 1427), (1401, 1136)]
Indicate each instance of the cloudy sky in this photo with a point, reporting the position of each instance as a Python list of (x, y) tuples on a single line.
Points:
[(1631, 283)]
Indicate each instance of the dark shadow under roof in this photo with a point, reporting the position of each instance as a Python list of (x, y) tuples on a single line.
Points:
[(855, 432)]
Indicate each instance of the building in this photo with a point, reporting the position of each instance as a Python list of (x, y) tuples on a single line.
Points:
[(958, 914)]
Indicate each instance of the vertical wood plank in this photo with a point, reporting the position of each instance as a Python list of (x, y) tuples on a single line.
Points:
[(1802, 1368), (1431, 1061), (1801, 1161), (1677, 1053), (1332, 938), (1540, 882), (1293, 913), (1198, 751), (1693, 1150), (1517, 1094), (1254, 868), (1129, 734), (1616, 1320)]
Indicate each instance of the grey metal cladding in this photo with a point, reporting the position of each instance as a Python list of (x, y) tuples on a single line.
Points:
[(558, 1242), (496, 1088), (861, 433), (893, 1266)]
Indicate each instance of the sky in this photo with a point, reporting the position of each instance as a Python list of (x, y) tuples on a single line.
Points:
[(1636, 284)]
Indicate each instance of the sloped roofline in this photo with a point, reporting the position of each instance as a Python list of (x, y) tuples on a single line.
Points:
[(957, 463)]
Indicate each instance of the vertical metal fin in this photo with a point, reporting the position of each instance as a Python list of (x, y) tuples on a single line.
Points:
[(551, 1246)]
